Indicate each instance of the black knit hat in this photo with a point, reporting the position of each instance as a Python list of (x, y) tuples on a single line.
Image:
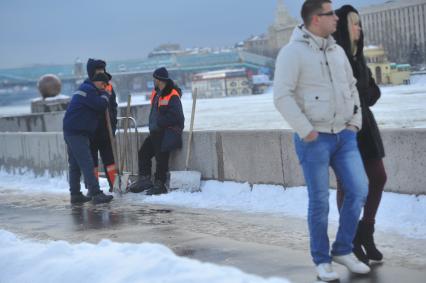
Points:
[(101, 77), (109, 75), (93, 65), (161, 74)]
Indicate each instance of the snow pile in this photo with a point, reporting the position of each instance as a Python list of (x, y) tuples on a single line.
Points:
[(408, 220), (418, 79), (189, 181), (30, 183), (240, 197), (59, 96), (59, 261)]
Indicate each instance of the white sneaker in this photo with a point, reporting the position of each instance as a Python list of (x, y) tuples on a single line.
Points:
[(325, 272), (352, 263)]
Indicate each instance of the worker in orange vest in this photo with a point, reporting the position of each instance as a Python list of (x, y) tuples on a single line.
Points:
[(101, 143), (166, 122)]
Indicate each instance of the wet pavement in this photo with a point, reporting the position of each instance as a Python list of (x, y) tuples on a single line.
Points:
[(262, 244)]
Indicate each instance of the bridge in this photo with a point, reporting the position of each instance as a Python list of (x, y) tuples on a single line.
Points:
[(136, 76)]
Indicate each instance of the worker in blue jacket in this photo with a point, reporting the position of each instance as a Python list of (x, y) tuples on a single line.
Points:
[(81, 119), (101, 143)]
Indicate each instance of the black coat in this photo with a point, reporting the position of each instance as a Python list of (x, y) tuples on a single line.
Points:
[(369, 140), (171, 120), (102, 130), (102, 134)]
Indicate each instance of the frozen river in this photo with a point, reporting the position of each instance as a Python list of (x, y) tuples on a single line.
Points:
[(399, 107)]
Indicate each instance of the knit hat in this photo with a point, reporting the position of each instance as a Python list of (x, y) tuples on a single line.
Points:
[(92, 65), (109, 75), (161, 74), (100, 77)]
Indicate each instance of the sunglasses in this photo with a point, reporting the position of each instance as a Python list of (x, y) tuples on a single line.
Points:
[(330, 13)]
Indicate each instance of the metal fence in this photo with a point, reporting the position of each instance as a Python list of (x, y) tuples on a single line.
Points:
[(127, 144)]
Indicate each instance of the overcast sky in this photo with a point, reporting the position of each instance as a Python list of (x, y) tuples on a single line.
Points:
[(59, 31)]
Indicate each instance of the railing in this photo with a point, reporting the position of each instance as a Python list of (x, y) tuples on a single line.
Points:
[(127, 145)]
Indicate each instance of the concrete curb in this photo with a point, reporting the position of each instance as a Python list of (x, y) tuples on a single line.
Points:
[(257, 157)]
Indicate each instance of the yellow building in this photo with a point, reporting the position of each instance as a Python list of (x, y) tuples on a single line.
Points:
[(385, 72)]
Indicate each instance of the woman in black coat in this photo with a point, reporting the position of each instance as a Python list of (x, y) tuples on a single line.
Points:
[(350, 37)]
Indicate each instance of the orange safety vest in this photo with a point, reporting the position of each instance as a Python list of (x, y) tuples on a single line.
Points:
[(108, 88), (164, 101)]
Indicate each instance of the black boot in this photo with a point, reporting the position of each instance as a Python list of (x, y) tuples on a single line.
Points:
[(158, 188), (143, 183), (368, 242), (79, 198), (357, 249), (100, 197)]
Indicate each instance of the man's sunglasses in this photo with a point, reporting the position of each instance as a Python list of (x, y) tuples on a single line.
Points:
[(330, 13)]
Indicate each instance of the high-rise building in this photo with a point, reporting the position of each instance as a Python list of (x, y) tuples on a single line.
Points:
[(400, 27), (383, 71), (280, 32)]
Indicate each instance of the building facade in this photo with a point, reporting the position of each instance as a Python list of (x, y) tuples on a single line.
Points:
[(222, 83), (277, 35), (400, 27), (385, 72), (258, 44), (135, 76), (280, 32)]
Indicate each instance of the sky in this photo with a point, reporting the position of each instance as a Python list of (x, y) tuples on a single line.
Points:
[(59, 31)]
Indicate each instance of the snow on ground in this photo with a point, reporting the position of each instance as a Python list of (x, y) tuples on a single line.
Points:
[(402, 107), (418, 79), (399, 107), (25, 260), (13, 110), (409, 220), (29, 183)]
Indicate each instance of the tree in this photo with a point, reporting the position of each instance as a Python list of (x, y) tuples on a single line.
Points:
[(416, 57)]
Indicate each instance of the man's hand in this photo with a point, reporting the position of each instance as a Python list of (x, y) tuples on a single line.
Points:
[(352, 128), (313, 135)]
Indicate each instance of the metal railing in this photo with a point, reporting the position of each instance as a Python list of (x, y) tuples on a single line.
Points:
[(127, 144)]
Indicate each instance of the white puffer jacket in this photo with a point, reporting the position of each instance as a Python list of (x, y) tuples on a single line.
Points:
[(314, 88)]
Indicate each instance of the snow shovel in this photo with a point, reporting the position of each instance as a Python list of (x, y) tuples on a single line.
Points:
[(120, 182), (187, 180), (123, 180)]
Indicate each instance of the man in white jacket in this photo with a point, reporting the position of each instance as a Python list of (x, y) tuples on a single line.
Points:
[(314, 90)]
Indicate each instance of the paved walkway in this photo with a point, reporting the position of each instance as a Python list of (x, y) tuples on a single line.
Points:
[(261, 244)]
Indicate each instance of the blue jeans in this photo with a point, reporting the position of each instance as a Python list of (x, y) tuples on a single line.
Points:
[(340, 151), (80, 160)]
